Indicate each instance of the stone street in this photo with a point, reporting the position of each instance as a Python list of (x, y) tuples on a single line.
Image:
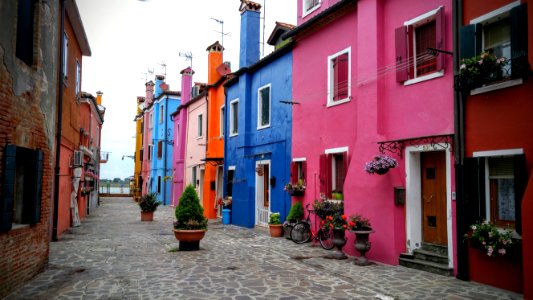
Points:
[(113, 255)]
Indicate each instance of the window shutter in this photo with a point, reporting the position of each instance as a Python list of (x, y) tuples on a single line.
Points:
[(304, 170), (33, 172), (345, 166), (335, 62), (342, 72), (329, 159), (519, 62), (8, 188), (294, 172), (520, 183), (474, 189), (439, 37), (470, 40), (401, 54), (159, 149), (323, 174)]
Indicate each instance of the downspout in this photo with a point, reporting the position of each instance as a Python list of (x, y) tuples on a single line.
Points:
[(462, 254), (165, 156), (59, 125)]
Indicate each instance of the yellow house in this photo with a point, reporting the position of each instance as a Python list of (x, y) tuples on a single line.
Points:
[(138, 157)]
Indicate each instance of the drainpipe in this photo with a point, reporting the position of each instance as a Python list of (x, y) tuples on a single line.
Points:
[(165, 154), (462, 255), (59, 125)]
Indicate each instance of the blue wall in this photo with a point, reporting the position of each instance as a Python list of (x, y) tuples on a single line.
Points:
[(251, 144)]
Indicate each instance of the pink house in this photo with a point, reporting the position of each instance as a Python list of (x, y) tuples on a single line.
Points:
[(374, 88), (147, 137)]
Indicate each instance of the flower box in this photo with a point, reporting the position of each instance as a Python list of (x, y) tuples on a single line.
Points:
[(295, 193)]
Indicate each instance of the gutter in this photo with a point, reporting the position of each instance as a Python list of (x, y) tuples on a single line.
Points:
[(59, 127)]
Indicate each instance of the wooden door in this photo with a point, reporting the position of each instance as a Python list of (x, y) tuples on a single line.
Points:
[(433, 173)]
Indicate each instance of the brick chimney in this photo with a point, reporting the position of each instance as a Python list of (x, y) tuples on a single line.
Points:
[(99, 97), (249, 47), (186, 83), (214, 60), (160, 85), (149, 92)]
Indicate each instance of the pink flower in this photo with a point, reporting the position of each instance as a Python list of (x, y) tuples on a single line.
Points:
[(490, 250), (501, 251)]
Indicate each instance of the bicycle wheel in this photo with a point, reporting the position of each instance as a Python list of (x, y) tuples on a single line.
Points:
[(301, 233), (326, 239)]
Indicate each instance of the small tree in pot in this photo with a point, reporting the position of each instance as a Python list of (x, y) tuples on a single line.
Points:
[(148, 204), (191, 224)]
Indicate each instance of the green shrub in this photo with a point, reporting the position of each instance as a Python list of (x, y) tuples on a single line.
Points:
[(274, 219), (149, 203), (189, 212), (296, 213)]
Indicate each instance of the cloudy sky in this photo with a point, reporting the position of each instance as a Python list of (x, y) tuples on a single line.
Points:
[(129, 38)]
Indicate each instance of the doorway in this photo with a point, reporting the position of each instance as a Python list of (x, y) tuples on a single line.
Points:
[(433, 197), (262, 193)]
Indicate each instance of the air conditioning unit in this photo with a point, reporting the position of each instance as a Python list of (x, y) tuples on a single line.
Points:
[(78, 159)]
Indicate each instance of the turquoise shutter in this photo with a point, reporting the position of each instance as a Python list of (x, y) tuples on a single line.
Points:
[(8, 188)]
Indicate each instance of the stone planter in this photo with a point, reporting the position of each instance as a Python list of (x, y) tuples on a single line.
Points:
[(339, 241), (276, 230), (362, 245), (189, 239), (147, 215)]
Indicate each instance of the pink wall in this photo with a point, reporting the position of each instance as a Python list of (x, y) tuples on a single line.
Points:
[(195, 151), (147, 135), (380, 109)]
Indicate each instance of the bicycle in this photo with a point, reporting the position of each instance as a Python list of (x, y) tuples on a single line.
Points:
[(302, 232)]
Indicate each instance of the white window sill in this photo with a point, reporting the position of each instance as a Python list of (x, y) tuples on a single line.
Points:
[(496, 86), (15, 226), (199, 137), (310, 11), (232, 135), (334, 200), (424, 78), (263, 127), (338, 102)]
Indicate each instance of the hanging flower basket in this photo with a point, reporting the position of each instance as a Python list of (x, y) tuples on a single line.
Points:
[(380, 164), (259, 170)]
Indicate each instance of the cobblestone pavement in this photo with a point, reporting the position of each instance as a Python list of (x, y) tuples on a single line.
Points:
[(113, 255)]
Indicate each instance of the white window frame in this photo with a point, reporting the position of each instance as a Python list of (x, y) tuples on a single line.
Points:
[(306, 11), (200, 119), (330, 101), (78, 78), (416, 22), (334, 151), (65, 55), (260, 106), (231, 114), (222, 120), (150, 149)]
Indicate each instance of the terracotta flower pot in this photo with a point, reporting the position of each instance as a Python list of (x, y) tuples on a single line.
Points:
[(189, 239), (147, 215), (276, 230)]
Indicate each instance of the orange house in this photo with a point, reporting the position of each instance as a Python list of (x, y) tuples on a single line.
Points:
[(214, 158)]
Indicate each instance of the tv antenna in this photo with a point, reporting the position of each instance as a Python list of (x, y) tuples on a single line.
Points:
[(222, 33), (148, 71), (164, 66), (187, 55)]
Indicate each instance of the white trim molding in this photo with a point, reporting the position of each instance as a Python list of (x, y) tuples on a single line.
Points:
[(504, 152), (299, 159), (487, 18), (336, 150)]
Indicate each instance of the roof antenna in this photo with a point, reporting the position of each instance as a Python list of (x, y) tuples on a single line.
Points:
[(164, 66), (222, 33), (187, 55)]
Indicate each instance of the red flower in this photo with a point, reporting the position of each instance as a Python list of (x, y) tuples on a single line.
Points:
[(352, 224), (344, 217), (322, 223), (344, 226), (331, 225)]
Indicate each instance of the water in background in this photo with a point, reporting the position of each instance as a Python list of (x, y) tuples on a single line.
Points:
[(114, 190)]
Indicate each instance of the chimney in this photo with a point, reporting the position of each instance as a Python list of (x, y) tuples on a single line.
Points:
[(149, 92), (214, 60), (160, 85), (99, 97), (186, 82), (249, 47)]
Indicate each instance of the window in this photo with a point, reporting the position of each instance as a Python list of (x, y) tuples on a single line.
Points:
[(159, 184), (20, 202), (263, 107), (298, 171), (25, 24), (413, 40), (141, 154), (494, 187), (162, 114), (150, 147), (333, 168), (159, 149), (222, 121), (194, 183), (229, 183), (502, 32), (309, 6), (200, 125), (234, 117), (78, 78), (65, 55), (339, 77)]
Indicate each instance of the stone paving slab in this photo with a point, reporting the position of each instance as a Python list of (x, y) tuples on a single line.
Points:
[(113, 255)]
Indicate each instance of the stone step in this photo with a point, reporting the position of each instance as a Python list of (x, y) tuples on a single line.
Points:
[(436, 257), (426, 266), (440, 249)]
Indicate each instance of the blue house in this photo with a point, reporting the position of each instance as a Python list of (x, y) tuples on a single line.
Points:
[(165, 102), (258, 124)]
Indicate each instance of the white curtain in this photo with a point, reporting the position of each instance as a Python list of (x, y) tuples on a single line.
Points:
[(74, 197)]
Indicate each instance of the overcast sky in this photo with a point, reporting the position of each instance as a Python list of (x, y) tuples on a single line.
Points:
[(130, 37)]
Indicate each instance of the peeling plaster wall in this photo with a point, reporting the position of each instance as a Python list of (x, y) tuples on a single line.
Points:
[(28, 95)]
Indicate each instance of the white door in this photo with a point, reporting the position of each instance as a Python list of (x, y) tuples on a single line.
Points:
[(262, 192)]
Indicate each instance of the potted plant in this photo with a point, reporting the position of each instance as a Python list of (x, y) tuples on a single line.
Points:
[(361, 227), (337, 223), (380, 164), (295, 214), (295, 189), (480, 70), (191, 224), (148, 204), (274, 223)]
